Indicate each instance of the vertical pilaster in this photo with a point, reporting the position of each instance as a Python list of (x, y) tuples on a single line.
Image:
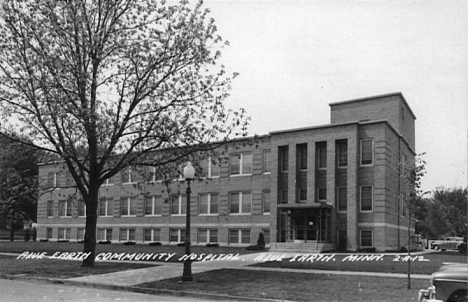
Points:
[(353, 192), (311, 171), (292, 171)]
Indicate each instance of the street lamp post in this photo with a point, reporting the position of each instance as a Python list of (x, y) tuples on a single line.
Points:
[(189, 173)]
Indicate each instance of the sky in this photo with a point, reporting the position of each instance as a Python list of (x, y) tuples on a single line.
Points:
[(297, 57)]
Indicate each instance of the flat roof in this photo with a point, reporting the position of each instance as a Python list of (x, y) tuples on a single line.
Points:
[(368, 98)]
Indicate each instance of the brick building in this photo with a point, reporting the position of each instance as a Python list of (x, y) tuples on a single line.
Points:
[(316, 188)]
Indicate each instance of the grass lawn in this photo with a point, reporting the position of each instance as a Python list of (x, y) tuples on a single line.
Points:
[(296, 286), (388, 265)]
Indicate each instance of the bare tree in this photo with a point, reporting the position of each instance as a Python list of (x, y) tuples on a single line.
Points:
[(412, 197), (103, 84)]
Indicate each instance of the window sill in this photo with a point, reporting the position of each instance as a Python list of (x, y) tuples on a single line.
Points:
[(240, 214), (153, 215), (240, 175), (204, 214)]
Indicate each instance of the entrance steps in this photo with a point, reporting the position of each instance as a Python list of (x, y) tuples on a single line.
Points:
[(301, 247)]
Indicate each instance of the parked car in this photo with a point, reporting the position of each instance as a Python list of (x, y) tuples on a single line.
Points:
[(448, 284), (449, 243)]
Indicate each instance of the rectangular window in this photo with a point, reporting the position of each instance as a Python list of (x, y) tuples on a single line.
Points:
[(151, 235), (104, 234), (342, 199), (50, 208), (51, 179), (342, 153), (49, 233), (109, 181), (367, 152), (266, 202), (210, 167), (366, 198), (65, 208), (366, 238), (284, 158), (81, 208), (207, 236), (284, 196), (128, 175), (240, 203), (176, 235), (302, 156), (127, 235), (403, 163), (302, 195), (153, 205), (179, 205), (241, 164), (321, 155), (128, 206), (150, 174), (106, 207), (241, 236), (64, 234), (80, 232), (267, 161), (322, 194), (208, 204)]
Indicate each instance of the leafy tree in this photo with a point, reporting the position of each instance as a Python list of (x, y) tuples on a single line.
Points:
[(18, 184), (103, 84), (413, 197), (448, 212)]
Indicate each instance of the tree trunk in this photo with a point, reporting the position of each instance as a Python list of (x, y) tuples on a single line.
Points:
[(90, 230), (12, 232)]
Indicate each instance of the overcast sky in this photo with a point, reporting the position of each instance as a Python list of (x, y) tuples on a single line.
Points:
[(296, 57)]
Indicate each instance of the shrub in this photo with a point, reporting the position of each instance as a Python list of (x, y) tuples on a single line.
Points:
[(105, 242), (212, 245), (129, 243), (154, 243)]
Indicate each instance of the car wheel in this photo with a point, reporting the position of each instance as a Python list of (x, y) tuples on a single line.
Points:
[(436, 247)]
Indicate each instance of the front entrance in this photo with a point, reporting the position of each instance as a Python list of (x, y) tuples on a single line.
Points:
[(304, 225)]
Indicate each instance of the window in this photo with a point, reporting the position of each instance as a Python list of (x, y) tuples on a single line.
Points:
[(49, 233), (80, 233), (302, 156), (210, 167), (241, 203), (208, 204), (104, 234), (127, 234), (65, 209), (284, 158), (50, 208), (153, 205), (151, 235), (342, 199), (128, 206), (241, 164), (342, 153), (128, 175), (366, 198), (176, 235), (267, 161), (403, 163), (239, 236), (366, 238), (64, 234), (322, 194), (207, 236), (51, 179), (150, 174), (284, 196), (302, 194), (266, 202), (178, 205), (109, 181), (106, 207), (322, 155), (367, 152), (81, 208)]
